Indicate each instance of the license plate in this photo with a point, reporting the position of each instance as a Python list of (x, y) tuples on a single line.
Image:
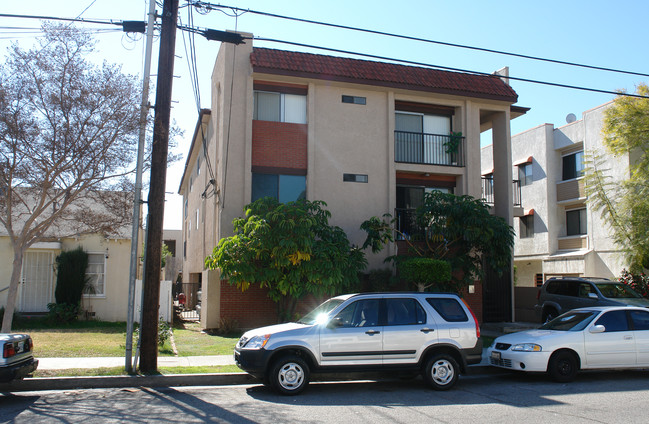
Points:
[(19, 347), (495, 355)]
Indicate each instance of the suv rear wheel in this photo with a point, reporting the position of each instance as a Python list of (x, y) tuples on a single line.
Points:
[(441, 371), (289, 375)]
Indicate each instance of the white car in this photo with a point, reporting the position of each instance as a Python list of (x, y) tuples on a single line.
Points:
[(17, 359), (605, 337)]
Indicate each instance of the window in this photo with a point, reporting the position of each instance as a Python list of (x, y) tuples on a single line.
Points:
[(576, 222), (171, 246), (538, 278), (448, 308), (285, 188), (364, 313), (198, 166), (640, 320), (525, 174), (186, 206), (573, 166), (355, 178), (279, 107), (197, 219), (405, 312), (614, 321), (526, 229), (354, 100), (95, 274), (422, 138)]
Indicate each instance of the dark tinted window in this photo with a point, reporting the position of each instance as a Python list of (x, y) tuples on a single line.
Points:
[(614, 321), (563, 287), (405, 312), (449, 308), (640, 320)]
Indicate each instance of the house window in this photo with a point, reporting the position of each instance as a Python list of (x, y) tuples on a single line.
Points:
[(421, 138), (279, 107), (171, 246), (354, 100), (95, 274), (538, 280), (526, 226), (197, 219), (525, 174), (573, 166), (186, 206), (576, 222), (198, 166), (355, 178), (285, 188)]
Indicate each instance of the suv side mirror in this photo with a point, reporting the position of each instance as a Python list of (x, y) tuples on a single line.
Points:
[(335, 322), (597, 329)]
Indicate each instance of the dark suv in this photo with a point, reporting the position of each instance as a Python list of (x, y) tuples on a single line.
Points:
[(561, 294), (433, 334)]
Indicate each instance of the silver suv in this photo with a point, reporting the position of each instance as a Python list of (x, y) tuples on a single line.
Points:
[(561, 294), (436, 335)]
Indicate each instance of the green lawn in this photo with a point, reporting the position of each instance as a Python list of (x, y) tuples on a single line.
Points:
[(94, 338)]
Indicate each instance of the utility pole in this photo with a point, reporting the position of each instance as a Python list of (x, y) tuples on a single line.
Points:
[(144, 111), (159, 151)]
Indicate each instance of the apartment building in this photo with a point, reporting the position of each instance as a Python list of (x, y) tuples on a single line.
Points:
[(557, 233), (368, 138)]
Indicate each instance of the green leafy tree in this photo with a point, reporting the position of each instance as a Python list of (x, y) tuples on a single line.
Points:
[(624, 205), (456, 229), (290, 249)]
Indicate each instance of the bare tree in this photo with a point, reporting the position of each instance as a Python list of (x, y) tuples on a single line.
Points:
[(68, 133)]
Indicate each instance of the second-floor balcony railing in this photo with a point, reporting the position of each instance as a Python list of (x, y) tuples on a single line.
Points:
[(488, 191), (428, 149)]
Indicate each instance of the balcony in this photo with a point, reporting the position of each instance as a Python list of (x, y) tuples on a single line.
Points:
[(428, 149), (407, 223), (488, 191)]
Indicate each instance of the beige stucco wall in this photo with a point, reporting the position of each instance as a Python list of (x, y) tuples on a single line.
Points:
[(108, 307)]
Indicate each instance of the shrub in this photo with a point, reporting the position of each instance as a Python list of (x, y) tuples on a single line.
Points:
[(63, 312), (638, 282), (164, 332), (426, 273)]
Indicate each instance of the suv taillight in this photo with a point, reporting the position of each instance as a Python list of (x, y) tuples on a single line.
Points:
[(538, 294), (8, 350), (475, 320), (31, 344)]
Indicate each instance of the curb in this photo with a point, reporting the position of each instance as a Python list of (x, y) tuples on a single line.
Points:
[(224, 379)]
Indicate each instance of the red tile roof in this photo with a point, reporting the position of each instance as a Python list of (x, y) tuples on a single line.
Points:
[(282, 62)]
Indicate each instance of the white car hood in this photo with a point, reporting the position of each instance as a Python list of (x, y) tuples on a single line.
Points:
[(528, 336), (273, 329)]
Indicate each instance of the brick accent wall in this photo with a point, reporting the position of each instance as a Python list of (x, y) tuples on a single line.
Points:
[(279, 145), (249, 309)]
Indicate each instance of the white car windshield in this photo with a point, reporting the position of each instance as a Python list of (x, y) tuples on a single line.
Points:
[(570, 321), (316, 315)]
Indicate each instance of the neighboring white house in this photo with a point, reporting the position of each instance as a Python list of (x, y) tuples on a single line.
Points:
[(558, 233)]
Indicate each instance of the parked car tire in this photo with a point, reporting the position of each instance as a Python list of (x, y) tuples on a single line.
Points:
[(289, 375), (563, 367), (549, 314), (441, 371)]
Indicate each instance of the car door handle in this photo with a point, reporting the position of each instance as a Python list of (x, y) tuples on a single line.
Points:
[(427, 330), (372, 332), (628, 337)]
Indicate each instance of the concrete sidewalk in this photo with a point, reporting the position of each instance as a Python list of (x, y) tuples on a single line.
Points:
[(118, 361)]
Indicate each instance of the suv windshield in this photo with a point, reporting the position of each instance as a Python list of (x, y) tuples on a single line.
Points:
[(570, 321), (316, 315), (616, 290)]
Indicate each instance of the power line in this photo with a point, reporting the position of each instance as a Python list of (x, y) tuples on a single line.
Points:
[(208, 6), (448, 68)]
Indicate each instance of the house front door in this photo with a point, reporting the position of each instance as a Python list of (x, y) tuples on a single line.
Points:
[(37, 281)]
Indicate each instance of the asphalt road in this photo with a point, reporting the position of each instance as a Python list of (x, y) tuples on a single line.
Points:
[(504, 398)]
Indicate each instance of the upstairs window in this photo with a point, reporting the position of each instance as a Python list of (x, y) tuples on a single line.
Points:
[(284, 188), (525, 174), (279, 107), (526, 226), (573, 166), (576, 223)]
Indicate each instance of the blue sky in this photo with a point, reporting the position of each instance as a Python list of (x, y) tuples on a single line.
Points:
[(595, 32)]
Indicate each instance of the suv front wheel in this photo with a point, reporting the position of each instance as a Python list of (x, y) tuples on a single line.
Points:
[(441, 371), (289, 375)]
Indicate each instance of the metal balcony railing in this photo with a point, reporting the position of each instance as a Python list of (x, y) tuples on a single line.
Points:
[(428, 149), (488, 191)]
